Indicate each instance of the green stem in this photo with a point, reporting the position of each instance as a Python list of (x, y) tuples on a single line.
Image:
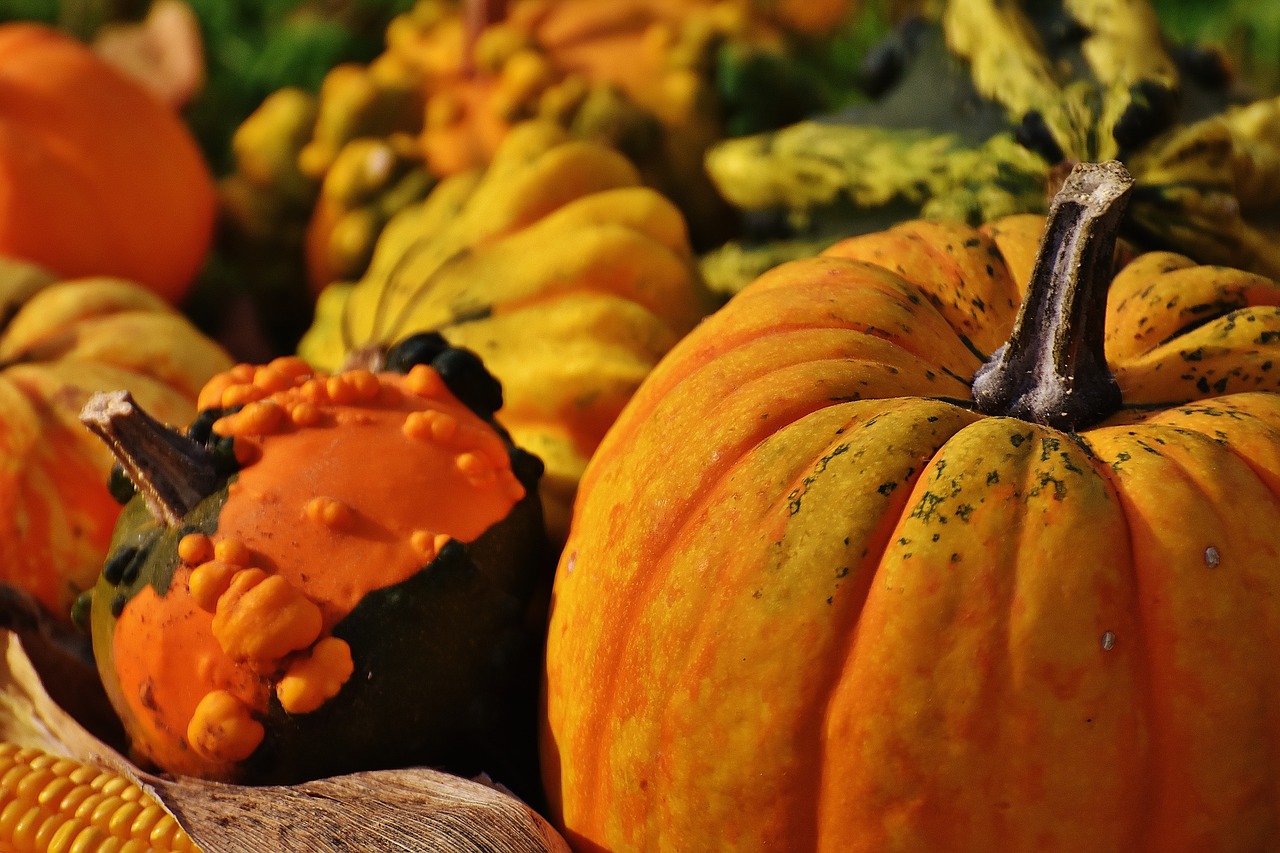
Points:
[(172, 472), (1053, 370)]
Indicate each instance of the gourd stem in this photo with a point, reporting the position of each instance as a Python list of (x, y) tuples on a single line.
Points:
[(1053, 370), (170, 470)]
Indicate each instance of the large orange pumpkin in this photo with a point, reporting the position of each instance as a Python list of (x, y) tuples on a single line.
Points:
[(60, 341), (97, 175), (815, 596)]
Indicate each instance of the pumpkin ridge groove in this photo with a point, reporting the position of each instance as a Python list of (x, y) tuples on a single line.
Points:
[(1148, 763), (607, 687)]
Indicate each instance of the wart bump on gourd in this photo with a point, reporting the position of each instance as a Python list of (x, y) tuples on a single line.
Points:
[(305, 547)]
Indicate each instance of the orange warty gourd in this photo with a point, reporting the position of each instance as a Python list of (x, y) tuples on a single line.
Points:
[(326, 573), (61, 340), (97, 175), (860, 569)]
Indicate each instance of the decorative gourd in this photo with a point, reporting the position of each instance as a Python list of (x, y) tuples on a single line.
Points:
[(567, 277), (658, 79), (995, 101), (326, 573), (853, 573), (60, 341), (100, 176)]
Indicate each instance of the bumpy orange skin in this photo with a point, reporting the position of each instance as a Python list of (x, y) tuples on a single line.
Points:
[(812, 601), (97, 175), (350, 483)]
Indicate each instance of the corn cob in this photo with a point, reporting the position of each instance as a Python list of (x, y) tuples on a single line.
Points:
[(53, 804)]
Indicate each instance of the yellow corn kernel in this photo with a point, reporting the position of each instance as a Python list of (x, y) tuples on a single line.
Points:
[(263, 617), (59, 805), (317, 678), (222, 728)]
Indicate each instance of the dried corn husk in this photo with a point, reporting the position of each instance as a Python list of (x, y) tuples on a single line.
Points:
[(409, 809)]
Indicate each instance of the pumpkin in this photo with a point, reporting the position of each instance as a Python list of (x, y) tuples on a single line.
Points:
[(87, 193), (60, 341), (554, 264), (327, 572), (888, 554)]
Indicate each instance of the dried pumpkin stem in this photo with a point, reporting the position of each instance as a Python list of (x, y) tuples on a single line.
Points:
[(173, 472), (1053, 370)]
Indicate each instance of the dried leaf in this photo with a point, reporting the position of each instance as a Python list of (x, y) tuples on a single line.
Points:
[(63, 660), (413, 809), (30, 717)]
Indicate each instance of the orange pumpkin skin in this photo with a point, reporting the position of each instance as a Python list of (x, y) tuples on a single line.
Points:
[(811, 600), (61, 341), (97, 175)]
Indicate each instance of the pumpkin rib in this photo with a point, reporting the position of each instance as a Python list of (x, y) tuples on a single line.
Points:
[(1215, 358), (916, 709), (853, 276), (1167, 679), (1177, 298), (1232, 417), (874, 545), (611, 674), (1143, 812), (675, 540), (948, 275), (772, 315)]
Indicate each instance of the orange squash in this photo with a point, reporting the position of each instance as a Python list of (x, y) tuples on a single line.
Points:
[(97, 175), (60, 341), (326, 573), (876, 559)]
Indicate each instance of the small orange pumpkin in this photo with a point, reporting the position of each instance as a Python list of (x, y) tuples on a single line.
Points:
[(99, 176), (327, 573)]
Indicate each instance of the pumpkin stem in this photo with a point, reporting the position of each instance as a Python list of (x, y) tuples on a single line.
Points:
[(172, 471), (1053, 370)]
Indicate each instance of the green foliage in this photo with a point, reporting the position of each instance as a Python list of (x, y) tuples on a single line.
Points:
[(1247, 30), (762, 91), (254, 47)]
